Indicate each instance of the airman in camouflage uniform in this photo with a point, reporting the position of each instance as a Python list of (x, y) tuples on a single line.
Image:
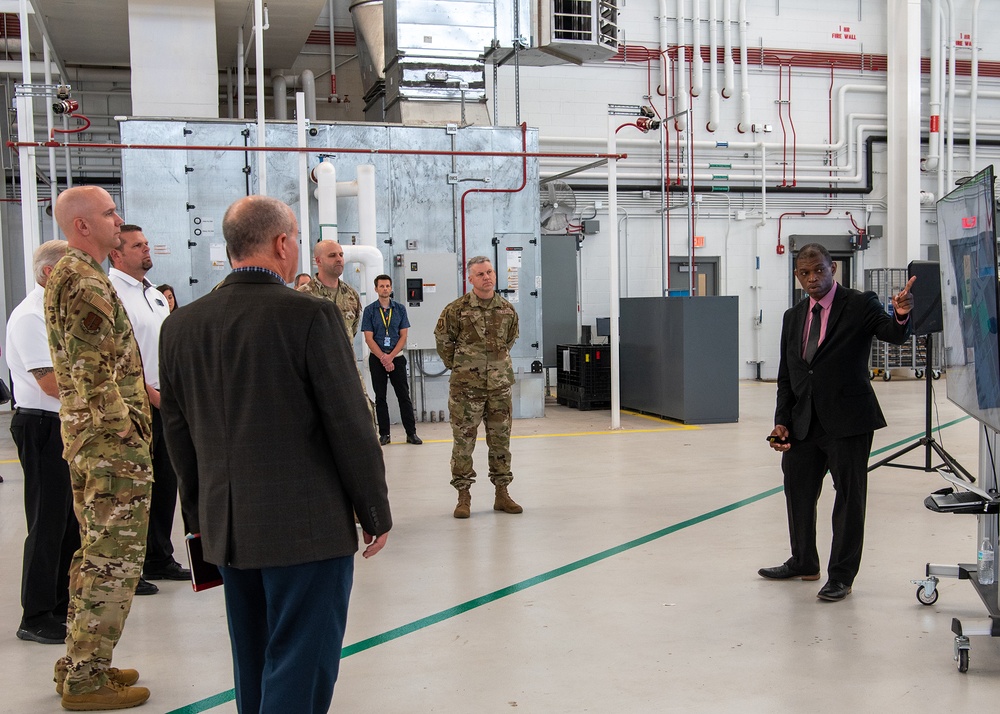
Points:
[(106, 430), (474, 336), (326, 284)]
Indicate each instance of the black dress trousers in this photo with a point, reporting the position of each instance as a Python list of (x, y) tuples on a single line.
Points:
[(53, 531)]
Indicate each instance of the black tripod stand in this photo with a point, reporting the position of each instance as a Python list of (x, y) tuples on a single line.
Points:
[(927, 440)]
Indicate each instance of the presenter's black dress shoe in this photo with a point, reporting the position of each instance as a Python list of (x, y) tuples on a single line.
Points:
[(146, 588), (414, 439), (834, 591), (783, 572), (172, 571), (383, 440)]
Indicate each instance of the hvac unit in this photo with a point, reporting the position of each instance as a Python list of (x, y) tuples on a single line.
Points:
[(578, 30)]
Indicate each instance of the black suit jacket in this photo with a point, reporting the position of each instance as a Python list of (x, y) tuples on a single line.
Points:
[(835, 386), (267, 426)]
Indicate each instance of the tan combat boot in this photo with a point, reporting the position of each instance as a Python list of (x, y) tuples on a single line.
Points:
[(126, 677), (504, 502), (464, 507), (111, 696)]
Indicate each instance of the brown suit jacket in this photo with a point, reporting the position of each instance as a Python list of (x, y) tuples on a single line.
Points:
[(267, 426)]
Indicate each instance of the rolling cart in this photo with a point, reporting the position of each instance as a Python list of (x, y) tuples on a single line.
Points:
[(985, 505)]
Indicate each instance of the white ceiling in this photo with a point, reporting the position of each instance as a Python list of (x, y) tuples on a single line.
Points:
[(95, 32)]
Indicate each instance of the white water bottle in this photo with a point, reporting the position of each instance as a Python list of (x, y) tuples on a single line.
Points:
[(986, 563)]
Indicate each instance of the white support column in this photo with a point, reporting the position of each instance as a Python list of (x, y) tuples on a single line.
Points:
[(613, 274), (903, 80), (306, 244), (49, 124), (258, 38), (27, 162)]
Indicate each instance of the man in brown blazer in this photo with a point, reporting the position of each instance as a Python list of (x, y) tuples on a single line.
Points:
[(272, 441)]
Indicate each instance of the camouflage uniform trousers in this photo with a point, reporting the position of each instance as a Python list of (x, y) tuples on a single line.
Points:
[(467, 407), (111, 501)]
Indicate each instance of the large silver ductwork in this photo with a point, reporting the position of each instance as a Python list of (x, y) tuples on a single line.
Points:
[(422, 61), (370, 31), (425, 67)]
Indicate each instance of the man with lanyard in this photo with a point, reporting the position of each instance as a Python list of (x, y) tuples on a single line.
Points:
[(385, 325)]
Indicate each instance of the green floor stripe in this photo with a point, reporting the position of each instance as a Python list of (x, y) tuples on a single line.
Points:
[(904, 442), (207, 703), (544, 577), (396, 633)]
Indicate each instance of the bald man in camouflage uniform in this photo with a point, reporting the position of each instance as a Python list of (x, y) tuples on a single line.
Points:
[(474, 336), (329, 257), (326, 284), (106, 430)]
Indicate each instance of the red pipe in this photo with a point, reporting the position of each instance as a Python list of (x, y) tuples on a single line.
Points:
[(829, 104), (795, 140), (780, 249), (524, 182), (807, 58), (781, 120), (310, 150), (78, 129)]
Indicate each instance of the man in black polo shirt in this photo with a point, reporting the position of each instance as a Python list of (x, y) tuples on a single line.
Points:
[(385, 325)]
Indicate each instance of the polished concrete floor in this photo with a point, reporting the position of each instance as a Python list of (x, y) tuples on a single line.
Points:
[(628, 585)]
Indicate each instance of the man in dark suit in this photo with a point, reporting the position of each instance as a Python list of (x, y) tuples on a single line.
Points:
[(827, 413), (274, 449)]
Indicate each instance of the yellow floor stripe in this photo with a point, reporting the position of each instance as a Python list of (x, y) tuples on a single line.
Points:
[(653, 417), (675, 427)]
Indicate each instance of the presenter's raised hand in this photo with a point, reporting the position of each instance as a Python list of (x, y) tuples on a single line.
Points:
[(902, 302)]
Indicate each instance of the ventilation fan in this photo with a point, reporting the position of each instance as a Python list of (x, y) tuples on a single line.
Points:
[(558, 206)]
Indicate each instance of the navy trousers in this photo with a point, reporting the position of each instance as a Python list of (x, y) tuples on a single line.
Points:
[(53, 531), (287, 628)]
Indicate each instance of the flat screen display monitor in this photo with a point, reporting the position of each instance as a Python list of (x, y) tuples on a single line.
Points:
[(968, 249)]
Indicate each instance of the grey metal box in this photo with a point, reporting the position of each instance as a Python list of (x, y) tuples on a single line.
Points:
[(680, 358)]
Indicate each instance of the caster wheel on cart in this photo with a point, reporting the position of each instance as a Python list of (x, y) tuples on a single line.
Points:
[(918, 373), (963, 661), (926, 599), (886, 376), (871, 375), (936, 374)]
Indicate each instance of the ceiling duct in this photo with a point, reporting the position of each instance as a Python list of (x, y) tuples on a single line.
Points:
[(369, 29), (562, 32), (578, 30), (431, 68)]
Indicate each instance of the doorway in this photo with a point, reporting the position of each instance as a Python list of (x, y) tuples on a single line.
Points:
[(705, 274)]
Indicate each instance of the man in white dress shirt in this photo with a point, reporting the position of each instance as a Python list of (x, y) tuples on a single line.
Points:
[(53, 531), (147, 309)]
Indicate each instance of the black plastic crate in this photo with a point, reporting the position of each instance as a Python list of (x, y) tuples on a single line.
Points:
[(584, 376), (587, 366), (578, 398)]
